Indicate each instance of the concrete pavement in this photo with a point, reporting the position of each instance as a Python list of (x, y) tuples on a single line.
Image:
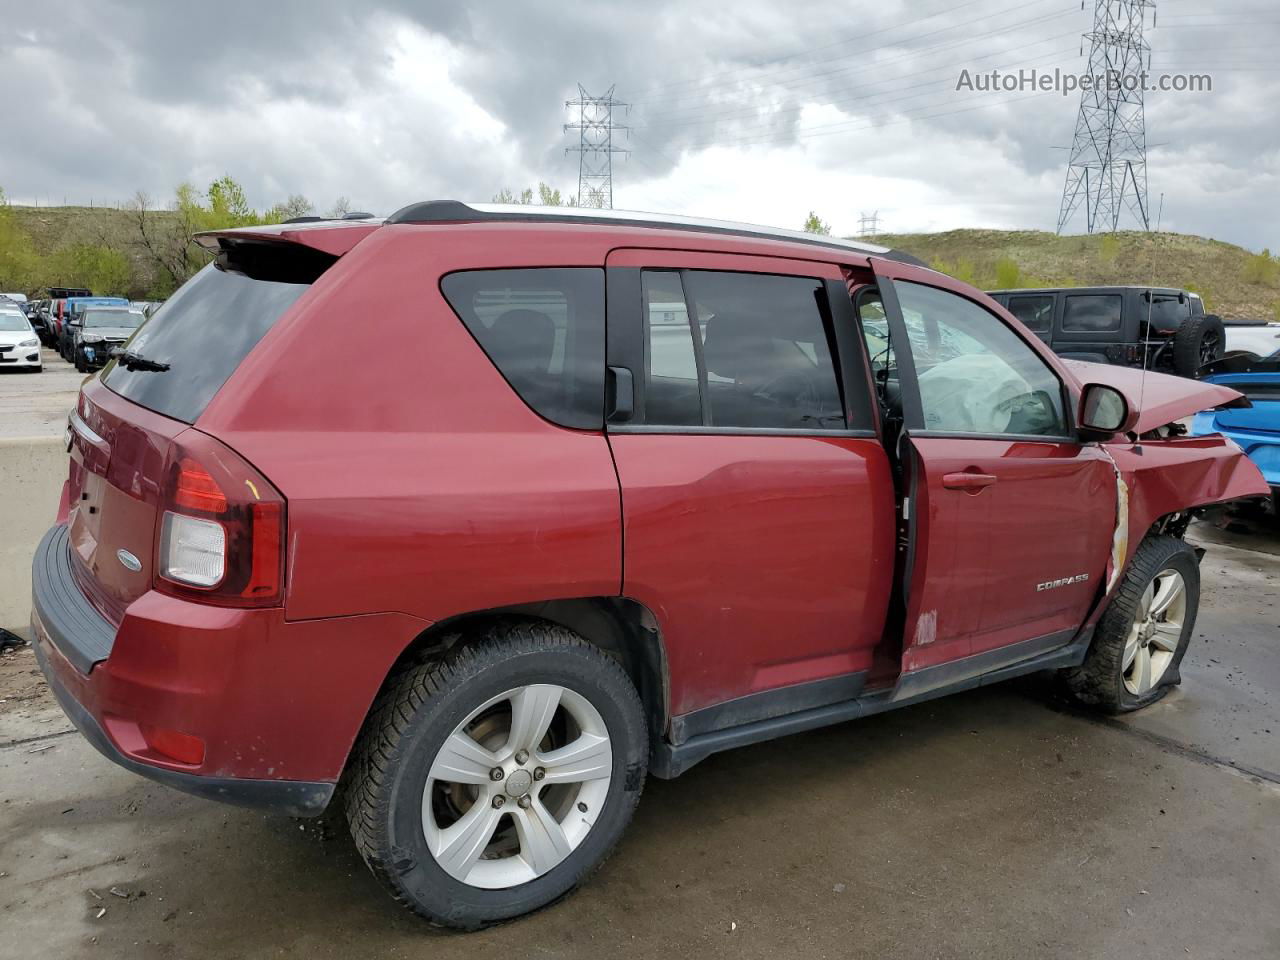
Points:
[(990, 824)]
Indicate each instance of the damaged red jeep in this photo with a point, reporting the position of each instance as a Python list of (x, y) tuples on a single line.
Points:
[(626, 493)]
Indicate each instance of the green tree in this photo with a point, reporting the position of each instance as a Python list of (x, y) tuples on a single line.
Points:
[(295, 206), (814, 224), (341, 207), (104, 270), (164, 243)]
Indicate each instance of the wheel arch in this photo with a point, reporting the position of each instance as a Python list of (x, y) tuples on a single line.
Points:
[(624, 628)]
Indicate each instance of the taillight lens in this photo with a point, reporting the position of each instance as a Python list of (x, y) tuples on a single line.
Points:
[(222, 528)]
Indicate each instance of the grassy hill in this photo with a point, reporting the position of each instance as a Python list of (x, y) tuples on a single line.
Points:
[(70, 243), (1235, 283)]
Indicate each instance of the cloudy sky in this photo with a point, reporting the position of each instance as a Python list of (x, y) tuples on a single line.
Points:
[(745, 110)]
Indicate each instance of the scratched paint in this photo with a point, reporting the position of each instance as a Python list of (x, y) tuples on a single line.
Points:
[(927, 628)]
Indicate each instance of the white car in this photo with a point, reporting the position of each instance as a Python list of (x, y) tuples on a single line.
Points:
[(19, 345), (1263, 340), (15, 297)]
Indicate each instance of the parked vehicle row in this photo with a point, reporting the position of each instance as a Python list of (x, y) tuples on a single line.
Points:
[(78, 325), (826, 459)]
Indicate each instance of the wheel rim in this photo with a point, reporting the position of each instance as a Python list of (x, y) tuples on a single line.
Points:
[(517, 786), (1209, 348), (1153, 639)]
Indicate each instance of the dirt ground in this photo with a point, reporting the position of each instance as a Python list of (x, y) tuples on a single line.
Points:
[(992, 824)]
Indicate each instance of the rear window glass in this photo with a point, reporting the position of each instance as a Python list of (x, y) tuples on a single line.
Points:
[(1167, 312), (544, 330), (1091, 313), (202, 332)]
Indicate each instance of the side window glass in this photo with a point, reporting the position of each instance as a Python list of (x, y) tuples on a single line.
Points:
[(976, 375), (1035, 312), (1091, 313), (544, 330), (671, 366), (766, 350)]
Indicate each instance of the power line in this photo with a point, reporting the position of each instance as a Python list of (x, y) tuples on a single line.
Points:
[(1107, 172), (860, 97), (861, 123), (863, 52), (865, 62), (595, 147)]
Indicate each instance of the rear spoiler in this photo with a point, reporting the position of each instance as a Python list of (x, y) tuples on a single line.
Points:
[(334, 237)]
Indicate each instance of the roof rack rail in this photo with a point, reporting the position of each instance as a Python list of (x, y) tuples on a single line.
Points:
[(307, 219), (357, 215), (455, 211)]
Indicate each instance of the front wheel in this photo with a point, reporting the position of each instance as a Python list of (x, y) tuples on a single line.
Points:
[(1143, 635), (492, 783)]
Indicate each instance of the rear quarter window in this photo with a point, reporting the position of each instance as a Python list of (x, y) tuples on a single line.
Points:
[(543, 329), (203, 332), (1091, 313)]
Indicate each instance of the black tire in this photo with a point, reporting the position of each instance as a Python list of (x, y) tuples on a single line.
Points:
[(81, 365), (1199, 340), (1099, 681), (411, 720)]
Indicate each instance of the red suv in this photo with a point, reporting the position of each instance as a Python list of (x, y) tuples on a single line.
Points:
[(626, 493)]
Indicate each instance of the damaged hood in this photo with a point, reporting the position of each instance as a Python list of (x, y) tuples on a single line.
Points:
[(1162, 398)]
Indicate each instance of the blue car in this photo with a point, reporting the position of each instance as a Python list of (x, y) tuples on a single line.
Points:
[(1256, 429)]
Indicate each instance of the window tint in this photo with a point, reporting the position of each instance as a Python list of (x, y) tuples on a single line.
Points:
[(202, 332), (1167, 312), (544, 330), (761, 350), (671, 365), (1035, 312), (1091, 313), (975, 374)]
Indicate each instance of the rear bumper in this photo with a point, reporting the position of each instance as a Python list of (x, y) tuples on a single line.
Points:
[(277, 705), (294, 797)]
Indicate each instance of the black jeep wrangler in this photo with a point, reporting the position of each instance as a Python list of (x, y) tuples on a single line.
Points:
[(1121, 325)]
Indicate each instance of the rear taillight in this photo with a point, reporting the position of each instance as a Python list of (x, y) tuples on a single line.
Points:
[(222, 528)]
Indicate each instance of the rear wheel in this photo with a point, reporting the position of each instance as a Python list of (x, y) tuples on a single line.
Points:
[(491, 784), (1199, 340), (1143, 635)]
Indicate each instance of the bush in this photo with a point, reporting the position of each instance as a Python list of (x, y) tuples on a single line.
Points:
[(1262, 268), (1008, 273)]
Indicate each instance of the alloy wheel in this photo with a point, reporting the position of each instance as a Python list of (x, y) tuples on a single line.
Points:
[(1153, 639), (517, 786)]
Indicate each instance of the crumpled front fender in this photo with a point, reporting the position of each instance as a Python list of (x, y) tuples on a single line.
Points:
[(1158, 477)]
